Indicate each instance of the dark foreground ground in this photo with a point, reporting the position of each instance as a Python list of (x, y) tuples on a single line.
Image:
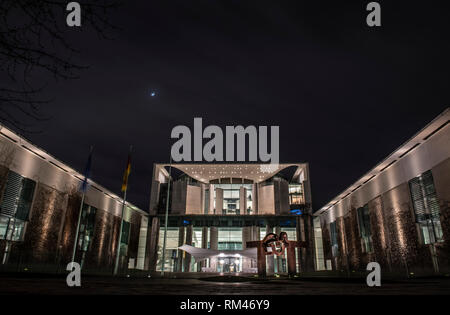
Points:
[(226, 285)]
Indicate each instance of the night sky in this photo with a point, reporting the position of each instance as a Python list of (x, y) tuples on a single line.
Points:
[(344, 95)]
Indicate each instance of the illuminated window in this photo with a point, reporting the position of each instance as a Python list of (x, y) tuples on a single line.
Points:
[(171, 249), (231, 198), (230, 238), (334, 241), (364, 228), (426, 207), (296, 194), (86, 227), (15, 206)]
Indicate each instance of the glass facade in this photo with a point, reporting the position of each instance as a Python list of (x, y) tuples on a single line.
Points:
[(86, 227), (320, 258), (334, 241), (426, 208), (125, 238), (296, 196), (364, 228), (171, 249), (280, 262), (15, 206), (230, 238), (231, 197), (86, 230)]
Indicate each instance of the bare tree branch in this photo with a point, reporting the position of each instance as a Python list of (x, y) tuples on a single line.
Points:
[(33, 36)]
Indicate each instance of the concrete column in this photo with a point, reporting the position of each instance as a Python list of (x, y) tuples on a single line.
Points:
[(305, 232), (255, 237), (300, 237), (152, 248), (309, 228), (219, 200), (187, 257), (202, 198), (278, 259), (211, 199), (204, 243), (242, 200), (256, 233), (255, 198), (142, 245), (246, 236), (214, 244), (270, 259), (214, 237), (180, 252)]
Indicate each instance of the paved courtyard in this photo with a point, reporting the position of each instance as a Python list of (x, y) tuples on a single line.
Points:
[(36, 284)]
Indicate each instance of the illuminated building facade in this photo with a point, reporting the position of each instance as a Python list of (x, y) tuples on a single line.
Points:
[(398, 214), (217, 208), (40, 201)]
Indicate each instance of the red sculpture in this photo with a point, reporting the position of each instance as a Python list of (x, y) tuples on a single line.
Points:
[(272, 244)]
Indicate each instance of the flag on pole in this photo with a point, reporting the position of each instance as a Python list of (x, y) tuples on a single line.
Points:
[(126, 173), (87, 172)]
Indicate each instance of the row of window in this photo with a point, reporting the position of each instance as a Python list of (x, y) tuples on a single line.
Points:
[(426, 210), (227, 239), (231, 198), (16, 198)]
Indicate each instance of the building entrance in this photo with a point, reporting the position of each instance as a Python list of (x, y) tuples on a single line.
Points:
[(229, 264)]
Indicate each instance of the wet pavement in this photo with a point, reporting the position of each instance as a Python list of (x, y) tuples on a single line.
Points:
[(90, 285)]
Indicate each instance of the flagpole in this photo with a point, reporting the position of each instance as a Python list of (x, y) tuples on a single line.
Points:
[(166, 219), (116, 264), (81, 210), (78, 228)]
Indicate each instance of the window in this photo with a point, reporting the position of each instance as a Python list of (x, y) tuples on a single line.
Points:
[(162, 203), (206, 201), (295, 188), (320, 258), (86, 227), (231, 198), (334, 242), (229, 246), (170, 256), (15, 206), (364, 228), (296, 194), (426, 208), (125, 237), (11, 229), (230, 238)]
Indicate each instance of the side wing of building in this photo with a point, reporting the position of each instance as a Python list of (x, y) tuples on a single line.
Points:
[(40, 201), (398, 214)]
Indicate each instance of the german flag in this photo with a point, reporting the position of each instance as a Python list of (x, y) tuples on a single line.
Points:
[(126, 173)]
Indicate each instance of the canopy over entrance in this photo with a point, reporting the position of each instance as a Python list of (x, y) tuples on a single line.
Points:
[(200, 254)]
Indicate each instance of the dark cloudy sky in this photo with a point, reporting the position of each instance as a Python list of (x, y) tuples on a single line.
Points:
[(344, 95)]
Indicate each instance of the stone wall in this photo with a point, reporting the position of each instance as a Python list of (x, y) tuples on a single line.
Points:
[(396, 240), (41, 241), (178, 199), (355, 255), (193, 199), (406, 252), (326, 241), (49, 237), (380, 237), (441, 176), (266, 202)]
